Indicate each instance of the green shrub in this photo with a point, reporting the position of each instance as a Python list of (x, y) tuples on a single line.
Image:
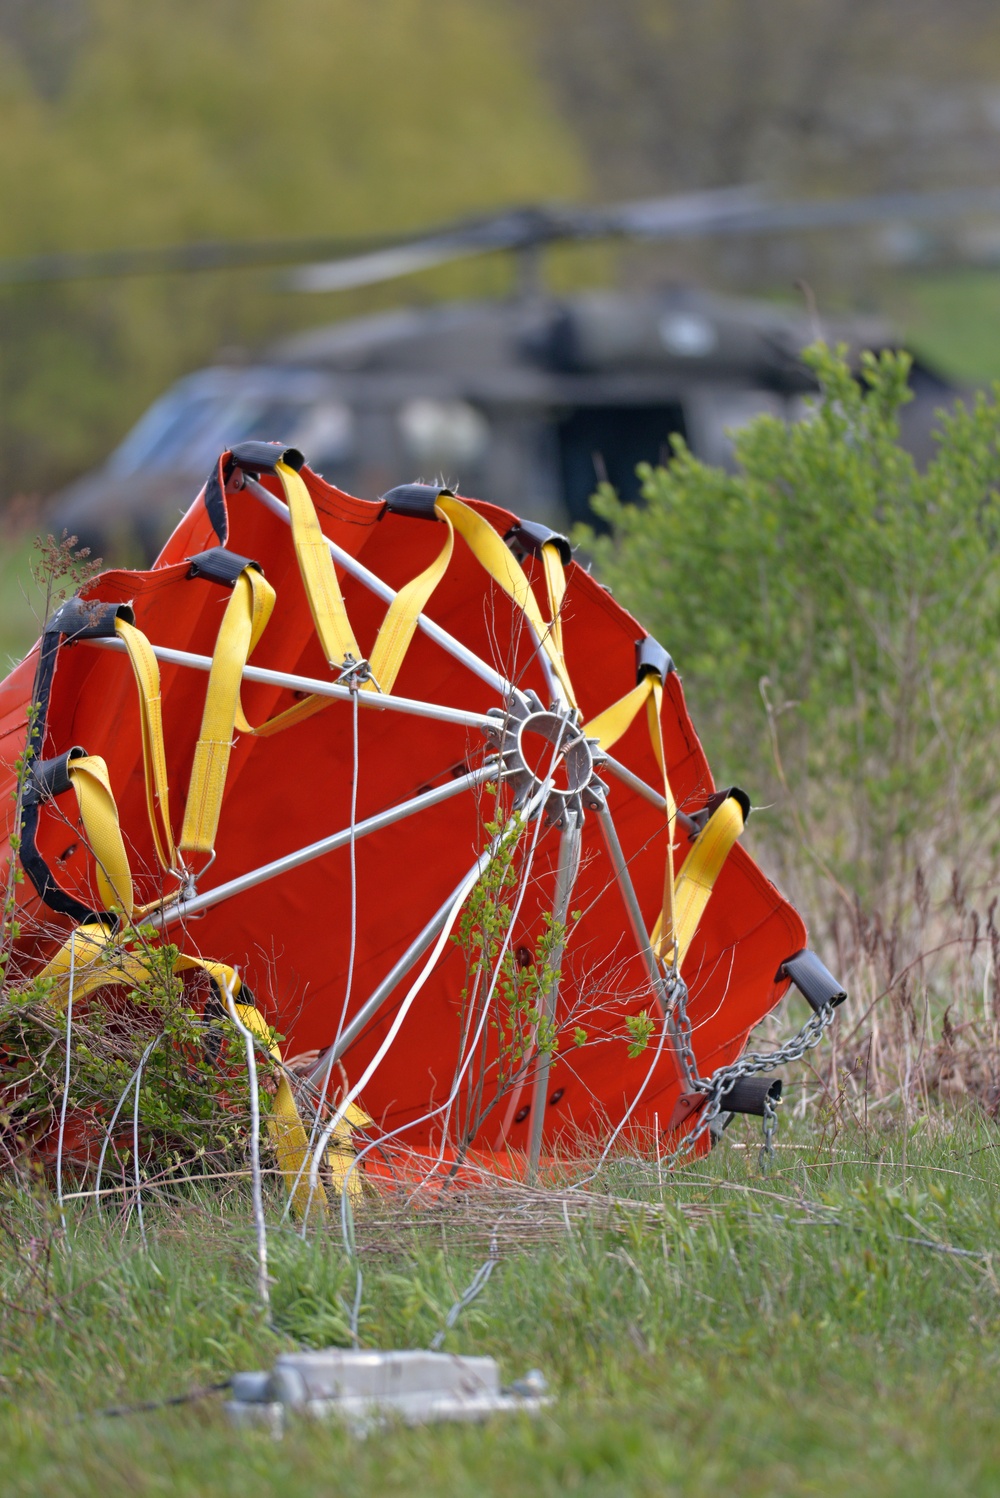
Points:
[(833, 611)]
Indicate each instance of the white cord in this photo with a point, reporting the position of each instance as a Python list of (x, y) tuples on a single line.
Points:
[(118, 1108), (65, 1096), (263, 1279), (324, 1088), (135, 1153)]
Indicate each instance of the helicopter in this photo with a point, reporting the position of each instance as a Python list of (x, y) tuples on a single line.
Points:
[(530, 401)]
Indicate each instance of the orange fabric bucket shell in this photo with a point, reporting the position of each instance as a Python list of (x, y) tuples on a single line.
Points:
[(290, 937)]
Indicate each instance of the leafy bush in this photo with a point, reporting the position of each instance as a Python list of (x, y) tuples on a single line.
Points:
[(833, 610)]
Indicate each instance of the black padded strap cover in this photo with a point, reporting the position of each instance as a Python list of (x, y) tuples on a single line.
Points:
[(415, 500), (715, 800), (528, 537), (260, 457), (220, 566), (749, 1094), (650, 658), (87, 619), (813, 980), (50, 777)]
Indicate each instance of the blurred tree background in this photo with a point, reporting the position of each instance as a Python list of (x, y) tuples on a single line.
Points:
[(127, 124)]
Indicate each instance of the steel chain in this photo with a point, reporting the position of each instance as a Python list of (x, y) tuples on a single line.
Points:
[(770, 1128), (752, 1064)]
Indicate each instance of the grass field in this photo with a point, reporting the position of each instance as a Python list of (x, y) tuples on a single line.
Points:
[(828, 1328)]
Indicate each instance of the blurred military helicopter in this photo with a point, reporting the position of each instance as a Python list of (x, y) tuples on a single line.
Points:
[(528, 401)]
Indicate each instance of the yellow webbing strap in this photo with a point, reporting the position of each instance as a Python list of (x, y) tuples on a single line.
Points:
[(400, 622), (699, 872), (607, 728), (555, 587), (96, 960), (684, 898), (154, 756), (318, 572), (291, 1141), (504, 568), (99, 814), (326, 602), (341, 1153), (287, 1131), (243, 623)]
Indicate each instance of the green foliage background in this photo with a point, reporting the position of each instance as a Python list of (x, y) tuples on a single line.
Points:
[(183, 121), (834, 613)]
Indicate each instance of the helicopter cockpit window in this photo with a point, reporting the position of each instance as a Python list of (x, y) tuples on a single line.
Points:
[(188, 429), (162, 436)]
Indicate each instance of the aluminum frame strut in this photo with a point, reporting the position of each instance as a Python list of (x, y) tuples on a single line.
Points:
[(411, 706), (382, 590), (415, 950), (636, 783), (567, 868), (179, 911), (624, 881)]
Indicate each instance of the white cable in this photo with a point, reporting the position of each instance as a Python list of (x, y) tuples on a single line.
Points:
[(394, 1029), (469, 884), (263, 1280), (537, 802), (65, 1096), (324, 1088), (114, 1117), (135, 1152)]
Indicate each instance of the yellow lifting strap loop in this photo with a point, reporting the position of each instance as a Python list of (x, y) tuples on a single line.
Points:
[(400, 622), (668, 947), (319, 575), (326, 602), (154, 757), (291, 1141), (699, 872), (504, 568), (285, 1127), (607, 728), (243, 623), (555, 588), (99, 814)]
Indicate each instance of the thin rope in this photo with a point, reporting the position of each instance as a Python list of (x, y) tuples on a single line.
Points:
[(66, 1078), (263, 1279), (135, 1157), (118, 1108)]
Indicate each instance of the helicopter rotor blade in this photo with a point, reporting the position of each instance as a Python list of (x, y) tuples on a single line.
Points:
[(671, 217), (329, 264)]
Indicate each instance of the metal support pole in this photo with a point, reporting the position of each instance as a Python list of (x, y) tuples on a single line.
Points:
[(382, 590), (566, 871), (178, 912), (656, 976), (381, 700), (414, 951), (636, 783), (418, 946)]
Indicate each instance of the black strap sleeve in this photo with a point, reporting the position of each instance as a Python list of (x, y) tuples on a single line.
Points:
[(815, 983)]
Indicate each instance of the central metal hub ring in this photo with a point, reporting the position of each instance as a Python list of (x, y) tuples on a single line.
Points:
[(560, 752)]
